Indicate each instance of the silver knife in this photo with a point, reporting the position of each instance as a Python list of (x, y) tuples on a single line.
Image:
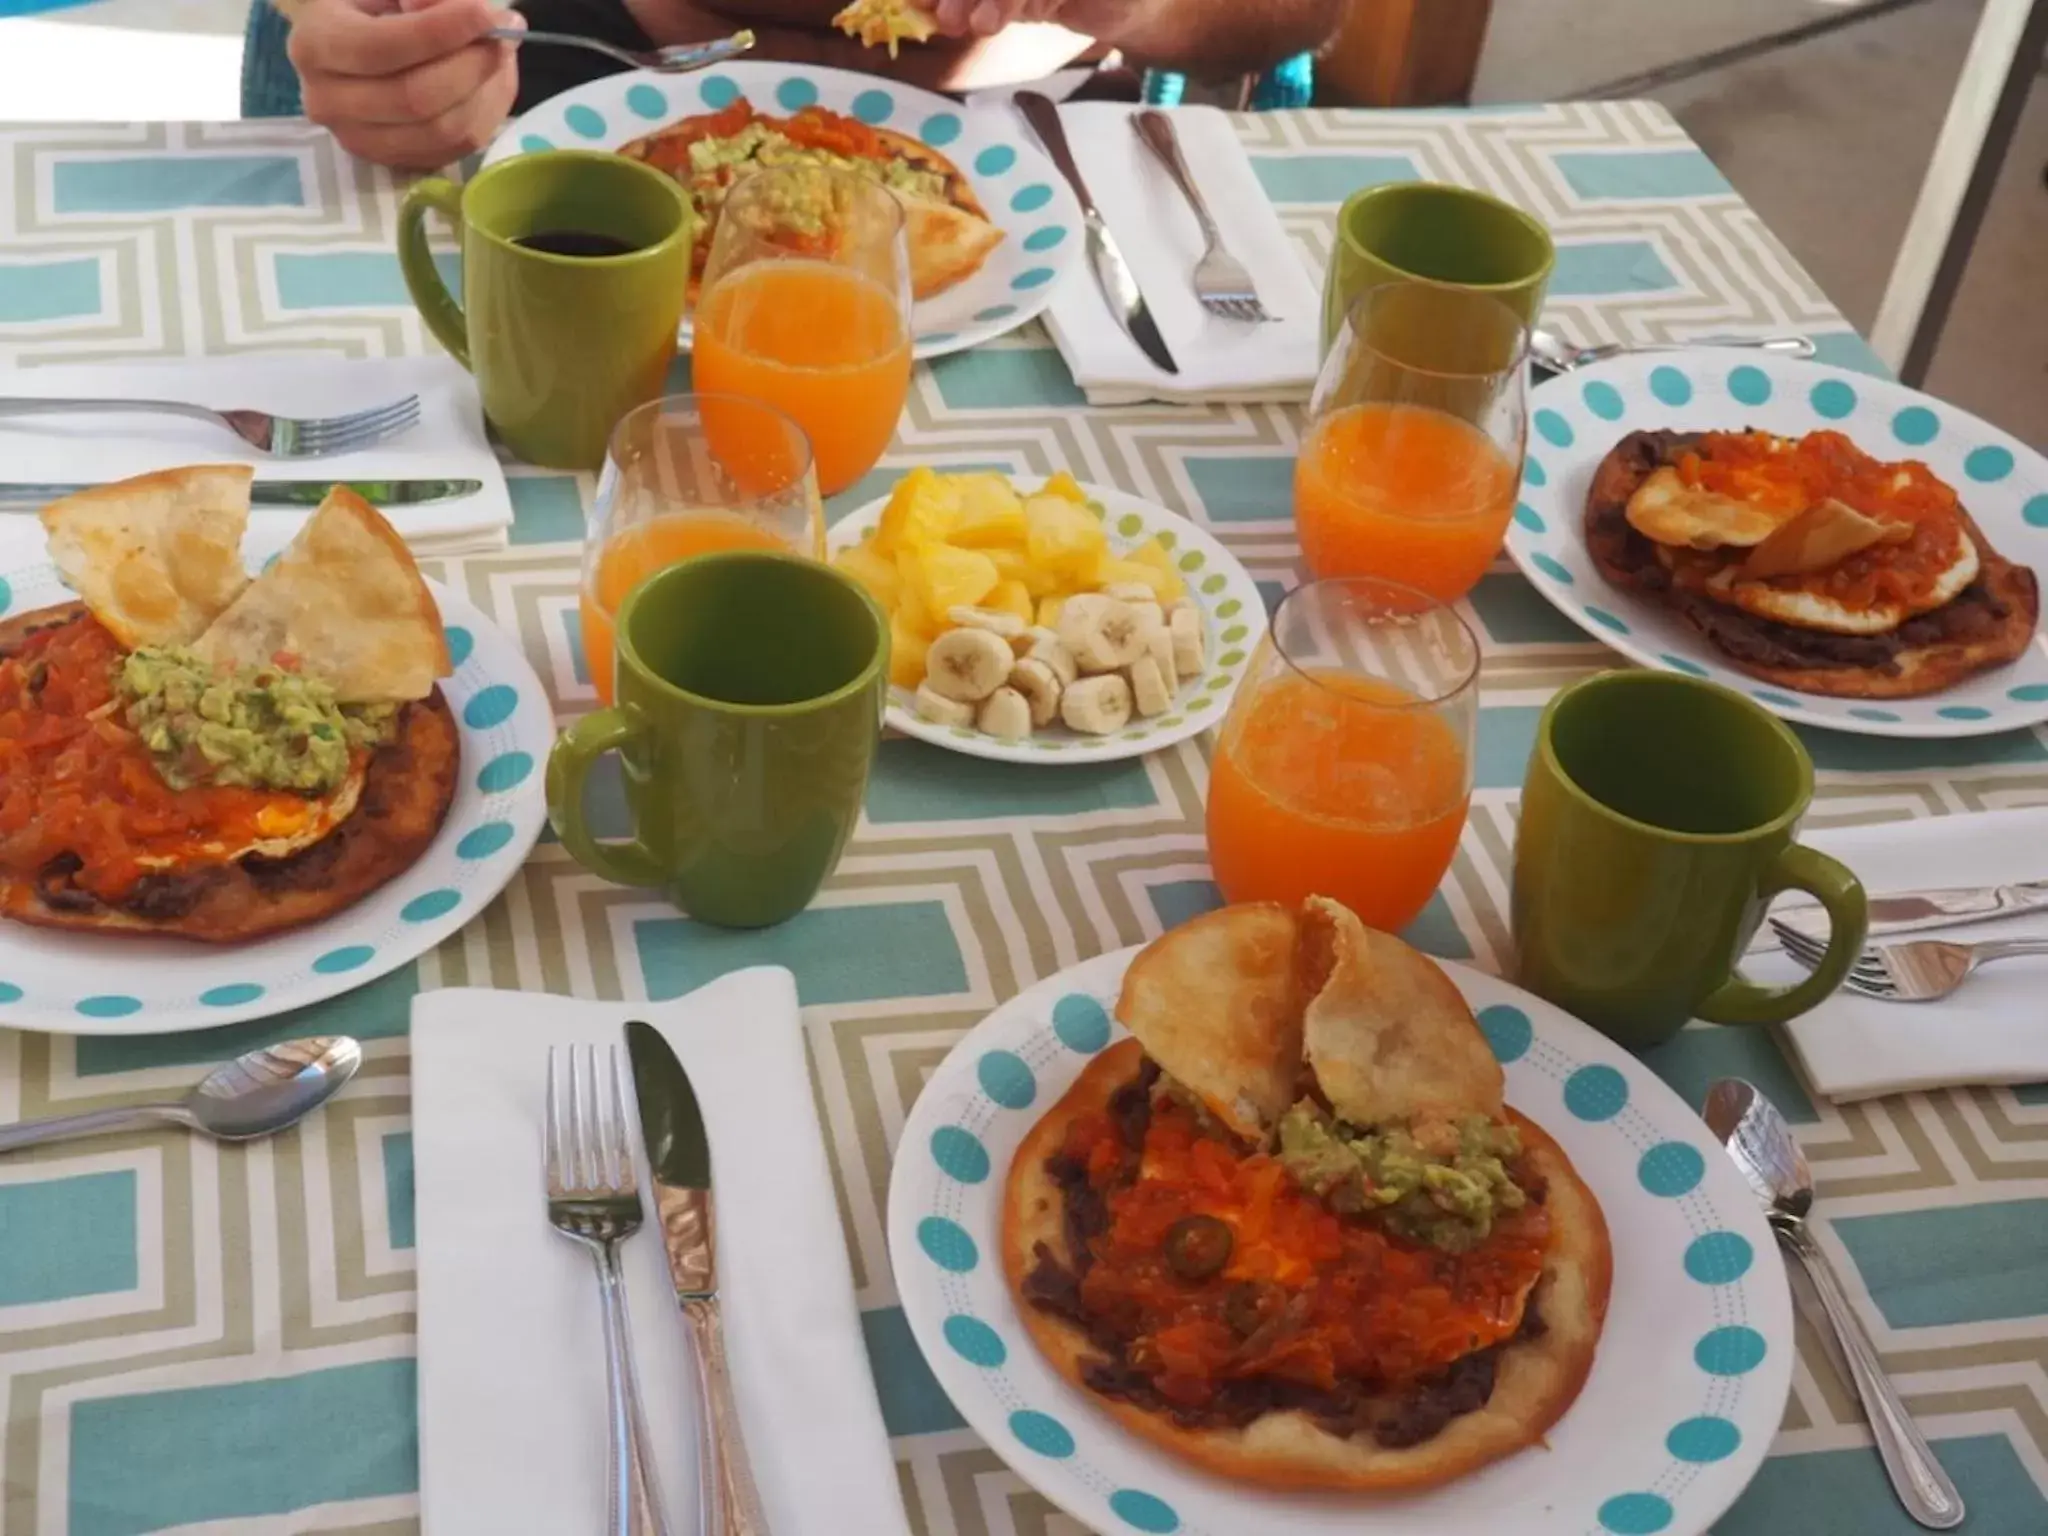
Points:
[(1919, 911), (280, 493), (1112, 272), (679, 1157)]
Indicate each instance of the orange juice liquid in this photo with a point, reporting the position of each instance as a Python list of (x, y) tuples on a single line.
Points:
[(629, 558), (1325, 786), (826, 344), (1405, 493)]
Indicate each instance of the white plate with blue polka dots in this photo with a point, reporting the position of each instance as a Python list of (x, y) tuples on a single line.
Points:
[(1685, 1394), (1577, 417), (1023, 194), (114, 984)]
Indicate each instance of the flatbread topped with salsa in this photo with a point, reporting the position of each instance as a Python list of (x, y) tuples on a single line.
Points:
[(226, 773), (947, 228), (1382, 1279)]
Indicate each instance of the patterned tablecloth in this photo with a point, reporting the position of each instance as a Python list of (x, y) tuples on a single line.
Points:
[(198, 1338)]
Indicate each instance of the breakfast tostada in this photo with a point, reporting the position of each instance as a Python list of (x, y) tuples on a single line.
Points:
[(1807, 562), (188, 751), (947, 229), (1290, 1231)]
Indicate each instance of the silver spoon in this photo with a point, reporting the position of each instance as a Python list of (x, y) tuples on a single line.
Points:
[(662, 61), (1768, 1156), (257, 1094), (1553, 354)]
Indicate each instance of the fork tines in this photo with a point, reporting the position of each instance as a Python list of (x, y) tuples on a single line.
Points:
[(341, 434), (586, 1144)]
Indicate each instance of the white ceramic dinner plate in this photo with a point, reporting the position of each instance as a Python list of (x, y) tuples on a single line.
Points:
[(1577, 417), (122, 984), (1233, 620), (1023, 195), (1685, 1394)]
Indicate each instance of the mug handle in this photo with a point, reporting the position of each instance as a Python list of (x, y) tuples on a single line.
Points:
[(569, 763), (430, 296), (1798, 868)]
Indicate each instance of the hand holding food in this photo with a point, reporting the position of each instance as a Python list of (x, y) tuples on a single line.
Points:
[(885, 23)]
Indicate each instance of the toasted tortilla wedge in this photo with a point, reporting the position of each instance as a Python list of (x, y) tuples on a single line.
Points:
[(157, 557), (347, 600), (885, 23), (1216, 1003), (1387, 1033)]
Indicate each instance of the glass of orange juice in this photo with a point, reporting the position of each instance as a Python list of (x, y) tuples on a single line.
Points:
[(1409, 467), (805, 303), (1345, 765), (689, 475)]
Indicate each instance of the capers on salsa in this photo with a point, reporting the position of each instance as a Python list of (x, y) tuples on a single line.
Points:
[(1198, 1246)]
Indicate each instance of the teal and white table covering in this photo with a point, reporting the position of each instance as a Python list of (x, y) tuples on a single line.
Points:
[(197, 1339)]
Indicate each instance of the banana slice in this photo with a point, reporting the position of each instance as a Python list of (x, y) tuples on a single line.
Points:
[(1007, 714), (1047, 647), (967, 664), (1130, 592), (1006, 625), (1097, 706), (1041, 687), (939, 709), (1185, 624), (1103, 634), (1149, 614), (1159, 646), (1148, 689)]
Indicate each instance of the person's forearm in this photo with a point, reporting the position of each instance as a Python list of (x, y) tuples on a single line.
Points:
[(1210, 38)]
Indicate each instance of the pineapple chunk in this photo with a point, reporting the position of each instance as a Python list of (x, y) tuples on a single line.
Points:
[(1010, 597), (991, 513), (1066, 487), (922, 508), (1156, 555), (951, 578), (1062, 538), (1049, 611), (907, 648), (875, 572), (1015, 565), (1165, 586)]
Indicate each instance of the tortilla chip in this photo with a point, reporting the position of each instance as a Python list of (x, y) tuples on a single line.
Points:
[(1216, 1004), (158, 557), (348, 602), (947, 244), (1665, 510), (1388, 1034)]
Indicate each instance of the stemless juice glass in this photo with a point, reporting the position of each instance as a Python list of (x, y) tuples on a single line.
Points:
[(806, 304), (1345, 765), (691, 475), (1409, 468)]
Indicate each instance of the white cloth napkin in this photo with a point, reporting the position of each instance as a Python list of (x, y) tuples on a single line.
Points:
[(511, 1361), (1990, 1032), (1156, 230), (448, 443)]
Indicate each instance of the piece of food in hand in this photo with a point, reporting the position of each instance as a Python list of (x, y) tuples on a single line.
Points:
[(1371, 1273), (1041, 688), (292, 757), (885, 23), (1046, 646), (156, 557), (967, 664), (1807, 562), (1005, 714), (1184, 624), (1097, 706), (934, 706), (1151, 695), (1005, 625), (1103, 633), (947, 230)]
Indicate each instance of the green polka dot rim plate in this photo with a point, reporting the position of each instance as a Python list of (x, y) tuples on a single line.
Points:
[(1577, 417), (1233, 620), (115, 984), (1023, 195), (1686, 1391)]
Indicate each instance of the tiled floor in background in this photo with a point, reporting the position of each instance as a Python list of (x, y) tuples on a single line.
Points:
[(1827, 139)]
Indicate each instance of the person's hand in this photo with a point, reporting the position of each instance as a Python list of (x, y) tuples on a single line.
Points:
[(407, 83)]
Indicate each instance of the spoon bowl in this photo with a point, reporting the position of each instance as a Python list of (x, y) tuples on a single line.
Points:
[(261, 1092), (1762, 1145)]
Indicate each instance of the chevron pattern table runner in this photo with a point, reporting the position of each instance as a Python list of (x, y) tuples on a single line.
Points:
[(196, 1338)]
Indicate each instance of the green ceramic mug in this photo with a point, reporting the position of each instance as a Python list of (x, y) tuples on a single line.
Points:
[(1657, 823), (1429, 232), (562, 345), (750, 690)]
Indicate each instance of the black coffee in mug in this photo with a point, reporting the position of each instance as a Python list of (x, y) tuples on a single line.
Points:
[(575, 242)]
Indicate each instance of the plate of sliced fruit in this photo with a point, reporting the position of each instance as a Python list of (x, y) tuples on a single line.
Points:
[(1062, 622)]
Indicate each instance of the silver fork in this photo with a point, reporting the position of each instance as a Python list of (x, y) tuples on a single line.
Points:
[(593, 1198), (1919, 971), (679, 60), (1222, 284), (284, 437)]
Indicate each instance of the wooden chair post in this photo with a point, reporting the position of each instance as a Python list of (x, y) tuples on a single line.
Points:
[(1403, 53)]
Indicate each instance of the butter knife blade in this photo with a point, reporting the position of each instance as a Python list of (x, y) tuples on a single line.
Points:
[(679, 1157), (275, 493), (1921, 911), (1105, 258)]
